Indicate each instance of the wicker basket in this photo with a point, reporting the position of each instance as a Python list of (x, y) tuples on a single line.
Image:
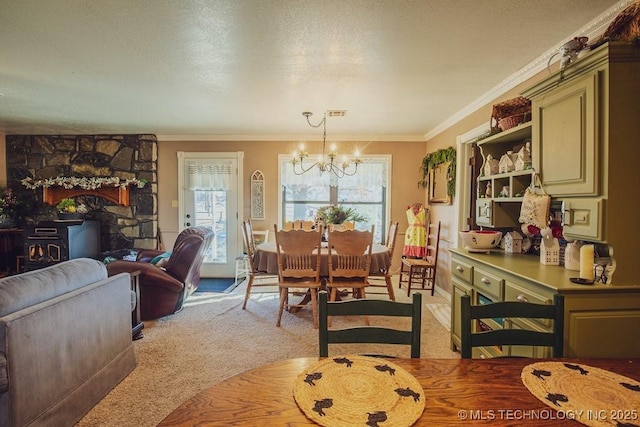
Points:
[(513, 121), (510, 113), (626, 26)]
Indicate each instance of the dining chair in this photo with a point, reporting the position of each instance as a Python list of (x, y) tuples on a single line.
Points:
[(307, 225), (298, 267), (289, 225), (256, 278), (349, 261), (385, 273), (347, 225), (470, 314), (423, 270), (370, 334)]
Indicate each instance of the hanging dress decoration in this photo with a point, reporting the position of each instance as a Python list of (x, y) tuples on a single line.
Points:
[(415, 239)]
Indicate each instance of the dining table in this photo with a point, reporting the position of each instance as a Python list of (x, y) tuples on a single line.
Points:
[(266, 258), (465, 392)]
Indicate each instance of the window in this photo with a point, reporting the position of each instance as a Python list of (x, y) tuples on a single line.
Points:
[(367, 192)]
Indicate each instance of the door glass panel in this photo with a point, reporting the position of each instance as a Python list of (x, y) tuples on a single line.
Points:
[(211, 211)]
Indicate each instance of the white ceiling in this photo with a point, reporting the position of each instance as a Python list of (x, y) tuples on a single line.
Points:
[(249, 68)]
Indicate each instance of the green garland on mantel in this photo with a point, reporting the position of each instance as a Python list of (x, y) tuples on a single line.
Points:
[(436, 158)]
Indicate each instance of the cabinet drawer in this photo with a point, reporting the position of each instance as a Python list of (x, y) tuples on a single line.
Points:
[(462, 270), (514, 292), (582, 218), (488, 283)]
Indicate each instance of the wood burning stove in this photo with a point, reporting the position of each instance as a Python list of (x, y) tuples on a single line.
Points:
[(51, 242)]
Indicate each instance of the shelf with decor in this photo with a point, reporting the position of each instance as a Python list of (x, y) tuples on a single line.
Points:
[(114, 189), (515, 182), (505, 174), (119, 195)]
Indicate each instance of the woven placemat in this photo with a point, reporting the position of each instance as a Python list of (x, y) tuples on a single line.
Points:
[(592, 396), (359, 390)]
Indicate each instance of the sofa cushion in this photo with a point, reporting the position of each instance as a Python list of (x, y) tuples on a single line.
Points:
[(33, 287)]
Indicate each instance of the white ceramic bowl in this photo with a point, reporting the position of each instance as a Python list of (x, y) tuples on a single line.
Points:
[(480, 240)]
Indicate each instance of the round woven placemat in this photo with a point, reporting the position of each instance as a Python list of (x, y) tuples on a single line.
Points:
[(592, 396), (359, 390)]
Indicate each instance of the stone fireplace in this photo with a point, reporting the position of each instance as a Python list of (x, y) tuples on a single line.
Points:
[(125, 223)]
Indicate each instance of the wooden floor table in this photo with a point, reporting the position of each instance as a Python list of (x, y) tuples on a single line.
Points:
[(458, 392)]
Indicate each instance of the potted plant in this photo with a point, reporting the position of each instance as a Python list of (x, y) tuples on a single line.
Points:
[(8, 205), (67, 209), (335, 214)]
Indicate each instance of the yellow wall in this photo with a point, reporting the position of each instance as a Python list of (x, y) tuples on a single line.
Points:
[(407, 158), (447, 214), (263, 155)]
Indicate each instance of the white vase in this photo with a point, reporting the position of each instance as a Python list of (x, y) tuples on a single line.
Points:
[(572, 256)]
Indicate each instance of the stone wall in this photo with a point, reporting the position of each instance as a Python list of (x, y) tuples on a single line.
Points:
[(124, 156)]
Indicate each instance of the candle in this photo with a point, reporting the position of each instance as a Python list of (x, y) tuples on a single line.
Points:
[(586, 262)]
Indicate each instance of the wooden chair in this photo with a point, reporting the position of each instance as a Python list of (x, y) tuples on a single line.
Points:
[(370, 334), (423, 270), (253, 273), (307, 225), (390, 243), (511, 309), (298, 266), (347, 225), (350, 261), (289, 225)]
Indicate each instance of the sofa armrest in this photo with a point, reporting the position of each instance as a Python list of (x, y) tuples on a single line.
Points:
[(149, 273), (146, 255)]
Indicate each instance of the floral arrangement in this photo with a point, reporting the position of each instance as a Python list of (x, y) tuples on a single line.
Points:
[(68, 205), (8, 203), (334, 214), (82, 182)]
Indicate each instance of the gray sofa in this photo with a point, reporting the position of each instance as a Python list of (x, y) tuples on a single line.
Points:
[(65, 341)]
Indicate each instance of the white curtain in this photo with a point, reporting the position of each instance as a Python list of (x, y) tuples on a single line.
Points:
[(209, 176), (371, 172)]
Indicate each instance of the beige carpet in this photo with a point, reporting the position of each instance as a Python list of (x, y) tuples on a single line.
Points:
[(213, 339), (442, 313)]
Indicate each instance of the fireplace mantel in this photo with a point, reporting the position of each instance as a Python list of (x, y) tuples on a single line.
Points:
[(119, 195)]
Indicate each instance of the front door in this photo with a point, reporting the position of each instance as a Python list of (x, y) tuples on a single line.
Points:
[(210, 190)]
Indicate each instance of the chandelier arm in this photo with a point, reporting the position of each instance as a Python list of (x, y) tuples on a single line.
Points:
[(323, 165), (303, 170)]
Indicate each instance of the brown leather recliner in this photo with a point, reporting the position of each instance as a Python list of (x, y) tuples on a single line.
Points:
[(164, 290)]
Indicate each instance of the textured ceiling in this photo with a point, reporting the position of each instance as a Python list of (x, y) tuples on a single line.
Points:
[(250, 67)]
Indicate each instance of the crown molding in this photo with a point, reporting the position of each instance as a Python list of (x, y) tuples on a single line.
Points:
[(593, 30), (295, 138)]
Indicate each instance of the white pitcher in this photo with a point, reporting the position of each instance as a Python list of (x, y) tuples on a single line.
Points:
[(572, 256)]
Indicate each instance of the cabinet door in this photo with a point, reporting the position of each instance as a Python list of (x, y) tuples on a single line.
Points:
[(490, 213), (583, 219), (565, 137), (459, 289)]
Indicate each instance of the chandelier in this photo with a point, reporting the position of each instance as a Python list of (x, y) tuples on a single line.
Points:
[(327, 161)]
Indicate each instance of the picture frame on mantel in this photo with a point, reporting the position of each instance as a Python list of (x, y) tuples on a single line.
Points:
[(257, 195)]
